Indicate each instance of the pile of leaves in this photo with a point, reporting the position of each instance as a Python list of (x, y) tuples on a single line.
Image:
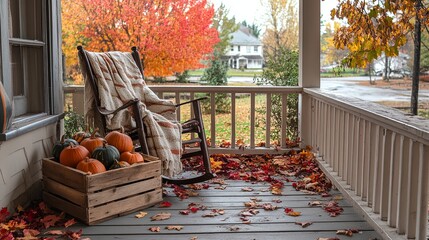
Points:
[(299, 167), (33, 222)]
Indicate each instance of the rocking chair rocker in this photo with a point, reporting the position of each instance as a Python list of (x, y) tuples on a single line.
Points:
[(194, 125)]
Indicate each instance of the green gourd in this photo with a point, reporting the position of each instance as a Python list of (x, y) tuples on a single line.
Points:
[(59, 147), (107, 154)]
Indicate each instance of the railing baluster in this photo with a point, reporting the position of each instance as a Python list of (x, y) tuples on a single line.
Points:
[(346, 148), (365, 154), (213, 120), (328, 134), (394, 175), (413, 182), (422, 194), (378, 153), (385, 170), (401, 208), (341, 140), (192, 97), (284, 121), (268, 121), (359, 157), (350, 158), (252, 120), (177, 97), (233, 117)]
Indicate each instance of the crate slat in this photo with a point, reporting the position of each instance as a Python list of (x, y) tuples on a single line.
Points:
[(125, 206), (72, 195), (121, 176), (68, 176), (66, 206), (115, 193)]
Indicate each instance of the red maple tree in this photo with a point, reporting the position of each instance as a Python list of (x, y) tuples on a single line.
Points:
[(171, 35)]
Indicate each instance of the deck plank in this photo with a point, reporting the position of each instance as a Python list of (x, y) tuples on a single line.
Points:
[(275, 224)]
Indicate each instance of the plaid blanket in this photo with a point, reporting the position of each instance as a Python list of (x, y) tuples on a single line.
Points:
[(119, 80)]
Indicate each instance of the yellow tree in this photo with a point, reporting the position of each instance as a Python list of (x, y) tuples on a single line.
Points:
[(377, 26), (282, 25)]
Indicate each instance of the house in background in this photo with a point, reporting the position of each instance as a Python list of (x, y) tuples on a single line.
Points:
[(245, 50)]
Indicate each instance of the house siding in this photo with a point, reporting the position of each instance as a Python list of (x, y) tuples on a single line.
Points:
[(20, 166)]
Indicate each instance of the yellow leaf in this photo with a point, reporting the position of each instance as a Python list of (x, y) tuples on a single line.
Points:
[(141, 215), (294, 214)]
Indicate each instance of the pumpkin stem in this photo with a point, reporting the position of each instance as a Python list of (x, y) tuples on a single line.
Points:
[(104, 143), (94, 132), (122, 129)]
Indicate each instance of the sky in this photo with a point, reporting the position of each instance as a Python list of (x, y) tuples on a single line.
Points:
[(252, 10)]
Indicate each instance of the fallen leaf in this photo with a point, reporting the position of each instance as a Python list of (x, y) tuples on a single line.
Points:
[(220, 187), (246, 214), (69, 223), (337, 197), (164, 204), (184, 212), (254, 199), (247, 189), (304, 224), (269, 207), (347, 232), (234, 228), (294, 214), (314, 203), (193, 238), (328, 239), (4, 214), (50, 220), (211, 214), (28, 233), (277, 200), (161, 216), (55, 232), (276, 191), (251, 204), (177, 228), (141, 215), (155, 229)]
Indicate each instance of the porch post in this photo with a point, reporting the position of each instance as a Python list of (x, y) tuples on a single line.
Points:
[(309, 61)]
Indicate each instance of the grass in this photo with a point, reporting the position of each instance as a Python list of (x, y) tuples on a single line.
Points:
[(242, 114), (231, 73)]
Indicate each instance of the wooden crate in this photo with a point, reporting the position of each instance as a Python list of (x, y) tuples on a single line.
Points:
[(94, 198)]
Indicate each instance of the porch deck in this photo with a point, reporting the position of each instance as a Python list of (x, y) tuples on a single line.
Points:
[(264, 225)]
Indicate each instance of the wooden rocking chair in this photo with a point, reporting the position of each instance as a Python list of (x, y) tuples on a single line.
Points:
[(194, 125)]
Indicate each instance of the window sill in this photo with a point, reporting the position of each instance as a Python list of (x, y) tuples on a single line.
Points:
[(26, 124)]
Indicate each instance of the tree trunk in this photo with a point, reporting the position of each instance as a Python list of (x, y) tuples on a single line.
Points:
[(416, 64), (386, 68)]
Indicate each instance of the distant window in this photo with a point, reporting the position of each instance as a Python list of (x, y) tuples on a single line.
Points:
[(255, 48), (238, 48), (232, 48), (248, 49)]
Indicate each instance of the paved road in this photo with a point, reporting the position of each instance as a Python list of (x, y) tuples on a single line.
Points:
[(348, 86)]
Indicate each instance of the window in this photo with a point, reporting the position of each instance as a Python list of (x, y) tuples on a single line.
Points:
[(232, 48), (238, 48), (248, 49), (27, 36), (255, 48)]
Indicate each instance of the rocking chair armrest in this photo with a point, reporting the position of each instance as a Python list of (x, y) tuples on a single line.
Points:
[(191, 101), (126, 105)]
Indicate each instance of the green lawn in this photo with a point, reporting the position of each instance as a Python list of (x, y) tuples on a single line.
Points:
[(231, 73)]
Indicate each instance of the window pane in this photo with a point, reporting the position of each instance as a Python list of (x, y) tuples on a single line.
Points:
[(25, 19), (27, 79)]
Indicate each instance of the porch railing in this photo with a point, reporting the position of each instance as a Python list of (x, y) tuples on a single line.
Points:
[(378, 157), (74, 94)]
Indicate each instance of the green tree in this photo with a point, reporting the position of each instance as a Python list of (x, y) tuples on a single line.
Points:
[(216, 75), (253, 28), (225, 26), (281, 70)]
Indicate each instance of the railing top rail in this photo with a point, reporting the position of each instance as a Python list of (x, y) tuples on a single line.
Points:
[(207, 89), (413, 126)]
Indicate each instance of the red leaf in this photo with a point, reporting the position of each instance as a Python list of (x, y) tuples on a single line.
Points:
[(165, 204), (50, 220), (4, 213), (69, 223)]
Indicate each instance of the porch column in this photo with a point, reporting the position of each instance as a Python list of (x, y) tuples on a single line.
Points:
[(309, 60)]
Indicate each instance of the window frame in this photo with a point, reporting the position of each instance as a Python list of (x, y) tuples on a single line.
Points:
[(52, 95)]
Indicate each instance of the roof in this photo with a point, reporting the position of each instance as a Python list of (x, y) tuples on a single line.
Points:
[(243, 37)]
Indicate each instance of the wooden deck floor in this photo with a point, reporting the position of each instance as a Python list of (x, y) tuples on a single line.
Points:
[(265, 225)]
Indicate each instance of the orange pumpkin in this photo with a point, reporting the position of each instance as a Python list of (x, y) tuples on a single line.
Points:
[(131, 157), (73, 154), (121, 141), (91, 165), (92, 142)]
